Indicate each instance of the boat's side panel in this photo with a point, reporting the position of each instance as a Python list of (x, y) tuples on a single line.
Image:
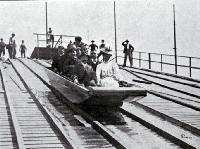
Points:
[(118, 91)]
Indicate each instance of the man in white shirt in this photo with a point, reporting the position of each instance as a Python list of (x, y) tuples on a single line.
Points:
[(12, 46)]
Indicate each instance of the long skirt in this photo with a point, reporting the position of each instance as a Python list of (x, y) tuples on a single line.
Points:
[(109, 82)]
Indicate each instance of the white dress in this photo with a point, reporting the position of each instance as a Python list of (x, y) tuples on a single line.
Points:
[(108, 74)]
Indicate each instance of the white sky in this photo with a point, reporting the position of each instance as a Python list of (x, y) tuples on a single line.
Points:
[(148, 24)]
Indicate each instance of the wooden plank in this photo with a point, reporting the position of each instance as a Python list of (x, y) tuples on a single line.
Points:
[(19, 138)]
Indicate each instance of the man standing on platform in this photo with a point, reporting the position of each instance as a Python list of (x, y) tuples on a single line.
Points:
[(22, 49), (51, 36), (128, 52), (2, 47), (93, 46), (12, 46)]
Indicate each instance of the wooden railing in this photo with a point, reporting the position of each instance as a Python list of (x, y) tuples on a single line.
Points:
[(137, 56), (58, 39)]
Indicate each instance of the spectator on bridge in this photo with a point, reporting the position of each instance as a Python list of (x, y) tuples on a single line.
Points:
[(93, 46), (128, 52), (101, 47), (50, 36), (2, 47), (107, 72), (12, 47), (23, 49)]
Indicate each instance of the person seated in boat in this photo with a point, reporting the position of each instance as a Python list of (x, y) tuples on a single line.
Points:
[(108, 73), (79, 46), (93, 60), (83, 73), (58, 60), (70, 61)]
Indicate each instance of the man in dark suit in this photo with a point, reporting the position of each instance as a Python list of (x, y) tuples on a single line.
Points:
[(128, 52), (84, 73)]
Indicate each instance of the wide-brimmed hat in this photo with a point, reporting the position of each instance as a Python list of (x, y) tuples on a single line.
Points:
[(127, 40), (107, 51), (92, 41)]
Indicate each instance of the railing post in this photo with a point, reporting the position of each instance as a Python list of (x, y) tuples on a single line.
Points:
[(149, 60), (37, 40), (61, 40), (161, 60), (139, 59), (190, 66)]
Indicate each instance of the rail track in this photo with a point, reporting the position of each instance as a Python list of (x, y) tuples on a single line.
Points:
[(124, 128), (24, 124)]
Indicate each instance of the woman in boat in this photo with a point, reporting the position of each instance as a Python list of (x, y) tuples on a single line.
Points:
[(108, 74)]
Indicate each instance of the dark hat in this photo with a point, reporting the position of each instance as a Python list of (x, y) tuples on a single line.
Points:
[(1, 38), (13, 34), (102, 40), (92, 41), (127, 40), (78, 38)]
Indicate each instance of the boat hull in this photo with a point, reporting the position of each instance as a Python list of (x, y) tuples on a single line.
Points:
[(104, 96)]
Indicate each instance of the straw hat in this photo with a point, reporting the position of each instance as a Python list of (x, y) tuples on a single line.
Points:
[(106, 51)]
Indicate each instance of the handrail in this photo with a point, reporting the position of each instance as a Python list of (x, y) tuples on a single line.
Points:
[(47, 41), (165, 54), (55, 35), (159, 60)]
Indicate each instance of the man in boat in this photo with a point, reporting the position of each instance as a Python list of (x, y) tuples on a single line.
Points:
[(12, 46), (69, 63), (108, 73), (2, 47), (83, 73), (93, 46), (79, 46), (22, 49), (92, 61), (50, 36), (128, 52), (58, 60)]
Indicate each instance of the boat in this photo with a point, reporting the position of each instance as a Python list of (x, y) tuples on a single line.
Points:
[(93, 96)]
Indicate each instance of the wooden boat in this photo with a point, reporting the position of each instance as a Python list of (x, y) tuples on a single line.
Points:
[(104, 96)]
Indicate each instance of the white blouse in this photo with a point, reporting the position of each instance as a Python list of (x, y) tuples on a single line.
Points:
[(107, 70)]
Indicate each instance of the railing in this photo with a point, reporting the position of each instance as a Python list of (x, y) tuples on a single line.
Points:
[(58, 39), (166, 59)]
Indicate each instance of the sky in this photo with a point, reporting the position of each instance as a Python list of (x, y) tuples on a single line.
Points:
[(147, 24)]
